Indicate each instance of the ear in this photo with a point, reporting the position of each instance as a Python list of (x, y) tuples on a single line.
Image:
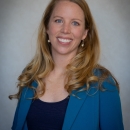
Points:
[(47, 30), (85, 34)]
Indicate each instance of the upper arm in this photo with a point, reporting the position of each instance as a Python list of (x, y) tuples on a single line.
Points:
[(17, 110), (110, 107)]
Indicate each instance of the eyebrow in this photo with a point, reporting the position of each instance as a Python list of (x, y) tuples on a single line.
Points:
[(72, 19)]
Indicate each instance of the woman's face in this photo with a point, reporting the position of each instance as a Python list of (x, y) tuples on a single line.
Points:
[(66, 28)]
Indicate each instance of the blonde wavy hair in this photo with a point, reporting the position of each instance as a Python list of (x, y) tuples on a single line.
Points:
[(79, 71)]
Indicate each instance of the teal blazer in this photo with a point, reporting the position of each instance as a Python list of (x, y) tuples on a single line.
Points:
[(86, 110)]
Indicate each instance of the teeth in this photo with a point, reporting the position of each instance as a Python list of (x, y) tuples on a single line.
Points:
[(64, 40)]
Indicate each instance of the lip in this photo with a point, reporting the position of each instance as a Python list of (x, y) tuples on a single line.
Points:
[(64, 40)]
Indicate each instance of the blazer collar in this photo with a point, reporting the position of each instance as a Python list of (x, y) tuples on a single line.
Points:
[(24, 105), (75, 103)]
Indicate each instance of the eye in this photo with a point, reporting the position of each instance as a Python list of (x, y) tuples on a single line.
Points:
[(58, 21), (75, 23)]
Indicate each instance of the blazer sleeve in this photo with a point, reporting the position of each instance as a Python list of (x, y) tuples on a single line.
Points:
[(16, 114), (110, 107), (17, 111)]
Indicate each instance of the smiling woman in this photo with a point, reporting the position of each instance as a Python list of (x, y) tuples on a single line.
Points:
[(66, 30), (64, 87)]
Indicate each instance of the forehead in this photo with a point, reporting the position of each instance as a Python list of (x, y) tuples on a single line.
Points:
[(68, 9)]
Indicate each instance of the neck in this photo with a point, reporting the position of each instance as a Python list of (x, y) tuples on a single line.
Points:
[(61, 61), (59, 71)]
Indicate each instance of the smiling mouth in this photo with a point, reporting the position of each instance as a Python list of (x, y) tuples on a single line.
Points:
[(64, 40)]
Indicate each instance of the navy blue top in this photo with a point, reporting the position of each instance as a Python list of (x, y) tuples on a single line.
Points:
[(46, 116)]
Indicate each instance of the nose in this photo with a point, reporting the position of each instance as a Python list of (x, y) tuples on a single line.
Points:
[(66, 28)]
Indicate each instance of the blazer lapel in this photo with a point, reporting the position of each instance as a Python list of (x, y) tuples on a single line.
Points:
[(73, 108), (24, 105)]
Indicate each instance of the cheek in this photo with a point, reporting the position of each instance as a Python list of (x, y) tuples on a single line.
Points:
[(52, 30), (78, 33)]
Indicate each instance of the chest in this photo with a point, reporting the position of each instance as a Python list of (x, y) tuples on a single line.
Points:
[(54, 91), (46, 115)]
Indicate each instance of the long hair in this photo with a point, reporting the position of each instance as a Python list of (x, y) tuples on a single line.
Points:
[(79, 71)]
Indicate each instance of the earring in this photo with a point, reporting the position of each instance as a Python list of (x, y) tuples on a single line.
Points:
[(82, 44), (48, 40)]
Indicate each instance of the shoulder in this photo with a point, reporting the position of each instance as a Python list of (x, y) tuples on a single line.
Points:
[(27, 92), (106, 80), (107, 86)]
